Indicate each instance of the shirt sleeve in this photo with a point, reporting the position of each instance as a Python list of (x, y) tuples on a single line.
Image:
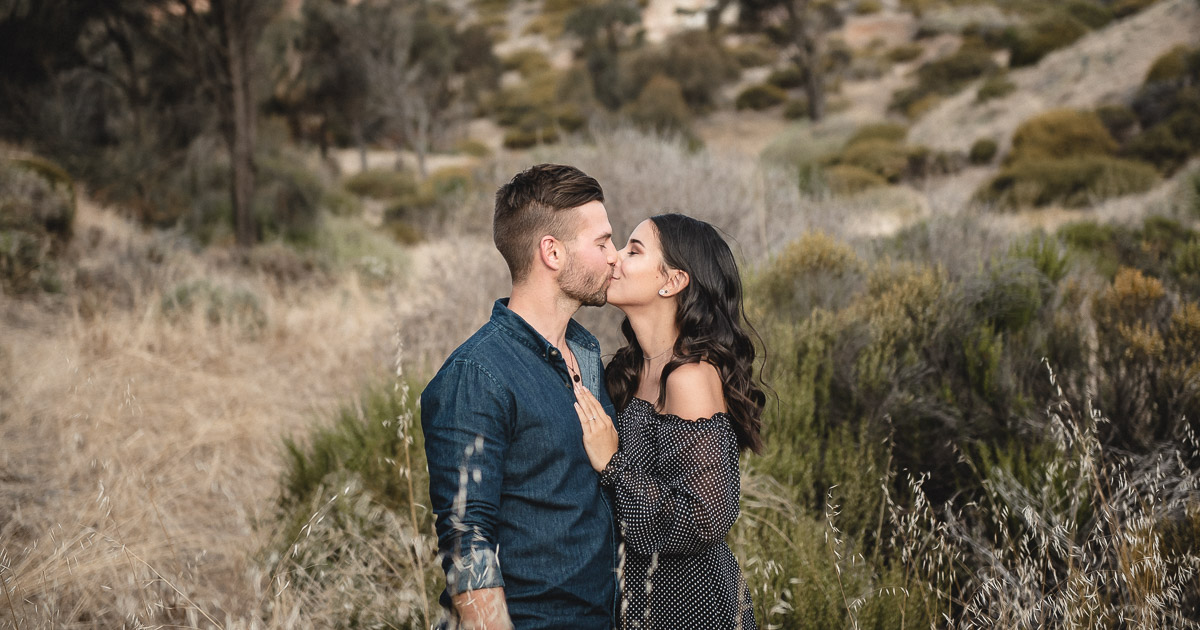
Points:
[(465, 417), (686, 499)]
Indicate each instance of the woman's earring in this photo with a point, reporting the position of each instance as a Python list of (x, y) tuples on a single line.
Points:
[(662, 291)]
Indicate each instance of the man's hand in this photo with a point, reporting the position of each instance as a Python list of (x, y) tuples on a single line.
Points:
[(483, 609)]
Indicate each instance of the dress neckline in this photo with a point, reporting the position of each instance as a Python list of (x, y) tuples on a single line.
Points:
[(720, 415)]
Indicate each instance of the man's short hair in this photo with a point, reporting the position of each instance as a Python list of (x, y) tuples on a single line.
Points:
[(532, 205)]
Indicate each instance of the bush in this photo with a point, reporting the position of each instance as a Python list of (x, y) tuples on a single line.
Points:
[(1061, 133), (905, 52), (1158, 146), (1126, 8), (1054, 30), (795, 108), (760, 97), (753, 55), (983, 151), (884, 158), (691, 59), (888, 132), (381, 184), (1092, 14), (37, 214), (942, 77), (287, 200), (846, 179), (473, 148), (787, 77), (660, 107), (868, 7), (1072, 182), (1171, 65), (522, 139), (995, 87), (220, 306), (529, 62), (1120, 121)]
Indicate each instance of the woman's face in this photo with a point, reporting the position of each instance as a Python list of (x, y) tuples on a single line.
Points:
[(640, 270)]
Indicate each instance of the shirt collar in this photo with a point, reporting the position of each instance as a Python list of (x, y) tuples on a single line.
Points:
[(519, 329)]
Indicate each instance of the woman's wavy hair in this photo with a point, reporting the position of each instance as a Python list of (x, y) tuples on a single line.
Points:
[(712, 326)]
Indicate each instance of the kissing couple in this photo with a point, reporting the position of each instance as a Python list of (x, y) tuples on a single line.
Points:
[(570, 494)]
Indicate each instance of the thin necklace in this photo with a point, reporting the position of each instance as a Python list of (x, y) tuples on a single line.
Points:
[(573, 372), (655, 357)]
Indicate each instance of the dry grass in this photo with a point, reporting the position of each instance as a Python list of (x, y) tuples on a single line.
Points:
[(141, 450)]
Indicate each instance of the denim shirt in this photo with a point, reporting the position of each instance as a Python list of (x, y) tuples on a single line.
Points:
[(518, 504)]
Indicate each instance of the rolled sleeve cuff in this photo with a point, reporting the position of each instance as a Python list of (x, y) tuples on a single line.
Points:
[(477, 568), (612, 471)]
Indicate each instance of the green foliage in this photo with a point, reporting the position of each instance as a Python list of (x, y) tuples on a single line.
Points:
[(997, 86), (889, 132), (760, 96), (1061, 133), (660, 107), (753, 54), (234, 307), (1091, 13), (905, 52), (529, 62), (788, 77), (690, 58), (523, 139), (847, 179), (1158, 146), (37, 214), (1120, 120), (885, 158), (381, 184), (795, 108), (942, 77), (983, 151), (1171, 65), (1126, 8), (868, 7), (1071, 182), (287, 200), (1045, 34)]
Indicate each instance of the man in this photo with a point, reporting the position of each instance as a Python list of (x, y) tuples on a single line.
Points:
[(525, 533)]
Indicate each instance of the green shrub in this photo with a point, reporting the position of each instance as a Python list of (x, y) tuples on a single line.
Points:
[(473, 147), (287, 199), (660, 107), (983, 151), (1158, 146), (690, 58), (220, 306), (753, 55), (529, 62), (1044, 35), (1061, 133), (997, 86), (1170, 66), (1126, 8), (787, 77), (886, 131), (846, 179), (795, 108), (381, 184), (905, 52), (1092, 14), (37, 214), (760, 97), (1072, 182), (942, 77), (522, 139), (1120, 120), (1185, 124), (868, 7), (884, 158)]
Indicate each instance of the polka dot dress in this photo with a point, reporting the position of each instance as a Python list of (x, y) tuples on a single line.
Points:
[(677, 490)]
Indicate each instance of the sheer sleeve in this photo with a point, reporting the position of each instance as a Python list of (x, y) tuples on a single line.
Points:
[(682, 495)]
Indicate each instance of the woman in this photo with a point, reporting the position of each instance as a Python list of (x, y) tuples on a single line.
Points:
[(686, 405)]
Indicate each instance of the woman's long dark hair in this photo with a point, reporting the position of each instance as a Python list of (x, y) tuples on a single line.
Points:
[(712, 326)]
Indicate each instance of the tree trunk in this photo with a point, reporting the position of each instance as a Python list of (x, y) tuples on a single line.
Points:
[(808, 55), (239, 40)]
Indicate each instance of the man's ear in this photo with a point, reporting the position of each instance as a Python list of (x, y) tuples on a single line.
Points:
[(677, 280), (551, 252)]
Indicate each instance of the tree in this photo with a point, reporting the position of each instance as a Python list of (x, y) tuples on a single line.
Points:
[(599, 26), (805, 23)]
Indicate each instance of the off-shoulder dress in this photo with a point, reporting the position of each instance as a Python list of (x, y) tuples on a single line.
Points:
[(677, 490)]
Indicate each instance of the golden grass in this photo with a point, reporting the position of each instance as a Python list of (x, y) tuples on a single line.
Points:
[(141, 451)]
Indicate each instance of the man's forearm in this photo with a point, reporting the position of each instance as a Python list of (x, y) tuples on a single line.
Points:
[(482, 609)]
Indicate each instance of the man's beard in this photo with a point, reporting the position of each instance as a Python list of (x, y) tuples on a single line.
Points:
[(578, 285)]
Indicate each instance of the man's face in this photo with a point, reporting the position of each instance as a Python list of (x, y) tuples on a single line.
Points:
[(590, 257)]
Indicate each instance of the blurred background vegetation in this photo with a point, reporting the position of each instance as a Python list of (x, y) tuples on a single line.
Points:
[(237, 237)]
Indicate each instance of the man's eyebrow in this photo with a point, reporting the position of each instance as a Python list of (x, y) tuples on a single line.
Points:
[(604, 237)]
